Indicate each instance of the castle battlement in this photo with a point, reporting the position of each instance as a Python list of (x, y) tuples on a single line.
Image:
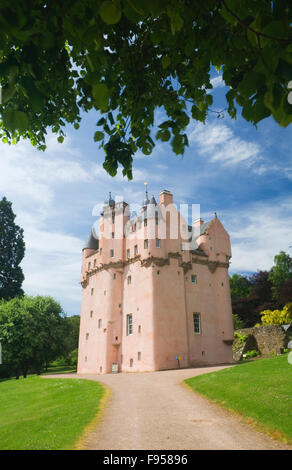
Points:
[(154, 288)]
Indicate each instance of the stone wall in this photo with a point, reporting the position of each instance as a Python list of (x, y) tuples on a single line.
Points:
[(267, 339)]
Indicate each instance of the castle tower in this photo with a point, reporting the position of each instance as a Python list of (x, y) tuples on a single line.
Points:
[(146, 300)]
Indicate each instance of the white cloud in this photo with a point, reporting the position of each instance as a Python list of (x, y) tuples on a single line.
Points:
[(218, 143), (217, 82), (259, 232), (34, 181)]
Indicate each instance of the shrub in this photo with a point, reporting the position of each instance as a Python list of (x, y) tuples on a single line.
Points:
[(252, 353)]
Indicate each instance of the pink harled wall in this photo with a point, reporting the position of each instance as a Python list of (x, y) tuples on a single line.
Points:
[(154, 285)]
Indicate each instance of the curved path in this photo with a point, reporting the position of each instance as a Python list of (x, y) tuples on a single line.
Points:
[(154, 410)]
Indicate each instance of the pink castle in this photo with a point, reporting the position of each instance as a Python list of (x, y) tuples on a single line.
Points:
[(155, 291)]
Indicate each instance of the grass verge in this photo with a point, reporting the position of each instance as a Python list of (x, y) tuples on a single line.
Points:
[(259, 390), (46, 414)]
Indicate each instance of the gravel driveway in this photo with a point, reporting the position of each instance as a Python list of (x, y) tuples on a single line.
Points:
[(154, 410)]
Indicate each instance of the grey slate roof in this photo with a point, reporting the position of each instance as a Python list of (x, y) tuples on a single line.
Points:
[(92, 242)]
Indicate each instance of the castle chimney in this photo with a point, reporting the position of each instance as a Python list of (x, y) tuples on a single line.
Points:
[(166, 197)]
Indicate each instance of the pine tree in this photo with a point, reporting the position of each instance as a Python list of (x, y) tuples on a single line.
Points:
[(12, 250)]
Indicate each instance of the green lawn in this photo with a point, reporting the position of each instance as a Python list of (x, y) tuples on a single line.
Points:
[(38, 413), (260, 389)]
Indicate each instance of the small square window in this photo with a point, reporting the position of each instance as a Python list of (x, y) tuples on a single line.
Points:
[(158, 243), (194, 279), (145, 244)]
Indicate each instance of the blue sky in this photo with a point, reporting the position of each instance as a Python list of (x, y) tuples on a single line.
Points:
[(242, 173)]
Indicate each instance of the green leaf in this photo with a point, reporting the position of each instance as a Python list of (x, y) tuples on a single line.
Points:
[(15, 121), (111, 11), (60, 139), (101, 95), (98, 136), (165, 62)]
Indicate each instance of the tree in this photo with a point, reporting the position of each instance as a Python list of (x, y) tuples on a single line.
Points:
[(127, 58), (32, 332), (281, 272), (239, 286), (12, 249)]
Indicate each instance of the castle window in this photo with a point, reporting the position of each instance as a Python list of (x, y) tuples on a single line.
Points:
[(100, 369), (113, 234), (91, 313), (135, 250), (139, 329), (121, 359), (197, 323), (139, 356), (158, 243), (89, 266), (145, 222), (104, 292), (182, 247), (129, 324), (87, 336), (156, 218), (131, 362), (128, 253), (222, 284), (99, 323), (92, 290), (85, 358), (100, 251), (113, 218), (115, 276), (145, 244), (94, 263), (194, 279), (158, 273), (111, 253), (129, 279)]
